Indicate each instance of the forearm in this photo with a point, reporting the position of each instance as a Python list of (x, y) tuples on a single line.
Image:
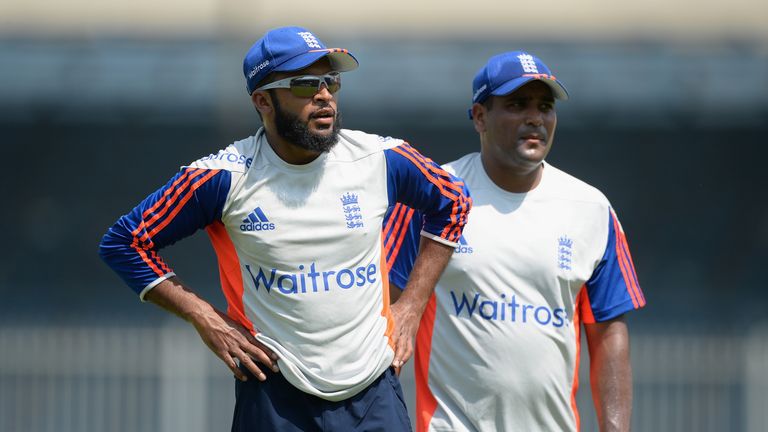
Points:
[(407, 310), (429, 265), (173, 296), (229, 340), (611, 374)]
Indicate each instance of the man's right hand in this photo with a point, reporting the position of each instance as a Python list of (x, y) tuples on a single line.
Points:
[(228, 339)]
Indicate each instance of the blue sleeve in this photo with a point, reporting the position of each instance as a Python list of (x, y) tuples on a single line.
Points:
[(402, 228), (191, 200), (613, 288), (423, 185)]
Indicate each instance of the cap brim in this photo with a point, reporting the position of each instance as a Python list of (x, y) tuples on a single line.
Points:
[(558, 89), (341, 60)]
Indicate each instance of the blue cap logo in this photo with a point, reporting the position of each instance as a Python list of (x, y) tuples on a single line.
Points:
[(507, 72), (288, 49)]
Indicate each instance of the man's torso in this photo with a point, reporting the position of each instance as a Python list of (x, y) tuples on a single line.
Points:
[(504, 346), (307, 241)]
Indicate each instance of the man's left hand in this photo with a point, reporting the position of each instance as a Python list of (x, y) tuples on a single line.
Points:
[(406, 316), (406, 311)]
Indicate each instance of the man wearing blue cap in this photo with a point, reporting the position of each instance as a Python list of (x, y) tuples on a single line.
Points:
[(498, 345), (295, 214)]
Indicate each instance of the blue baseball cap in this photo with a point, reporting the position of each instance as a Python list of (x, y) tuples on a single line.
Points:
[(507, 72), (288, 49)]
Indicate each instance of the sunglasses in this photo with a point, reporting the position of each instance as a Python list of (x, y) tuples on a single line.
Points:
[(307, 85)]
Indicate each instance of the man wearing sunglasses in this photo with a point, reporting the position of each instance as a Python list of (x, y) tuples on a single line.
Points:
[(498, 346), (295, 215)]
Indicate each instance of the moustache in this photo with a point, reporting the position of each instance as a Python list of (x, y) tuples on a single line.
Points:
[(323, 111), (539, 133)]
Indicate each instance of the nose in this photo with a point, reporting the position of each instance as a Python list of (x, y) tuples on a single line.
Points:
[(534, 116), (323, 94)]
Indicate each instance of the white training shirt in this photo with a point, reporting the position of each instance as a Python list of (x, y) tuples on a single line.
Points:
[(299, 246), (498, 345)]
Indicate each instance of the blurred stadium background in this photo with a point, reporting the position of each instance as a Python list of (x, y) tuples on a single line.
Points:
[(100, 102)]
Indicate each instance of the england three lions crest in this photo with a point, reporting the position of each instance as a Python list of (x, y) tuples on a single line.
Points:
[(564, 252), (351, 207)]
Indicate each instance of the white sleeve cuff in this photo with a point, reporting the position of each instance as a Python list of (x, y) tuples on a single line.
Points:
[(438, 239), (154, 283)]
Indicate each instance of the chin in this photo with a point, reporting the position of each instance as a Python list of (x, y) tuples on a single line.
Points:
[(533, 157)]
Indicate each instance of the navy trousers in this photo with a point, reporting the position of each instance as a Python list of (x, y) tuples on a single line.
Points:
[(276, 405)]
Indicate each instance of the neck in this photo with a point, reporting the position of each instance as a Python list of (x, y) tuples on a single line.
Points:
[(515, 181), (288, 151)]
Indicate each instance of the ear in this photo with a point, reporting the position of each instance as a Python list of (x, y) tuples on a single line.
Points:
[(478, 117), (262, 102)]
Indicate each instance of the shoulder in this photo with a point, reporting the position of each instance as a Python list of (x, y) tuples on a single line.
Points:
[(568, 187), (236, 157), (464, 165), (355, 144)]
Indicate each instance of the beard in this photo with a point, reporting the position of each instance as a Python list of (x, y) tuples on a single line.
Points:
[(297, 132)]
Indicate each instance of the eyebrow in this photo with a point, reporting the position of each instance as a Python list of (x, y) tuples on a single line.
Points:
[(528, 98)]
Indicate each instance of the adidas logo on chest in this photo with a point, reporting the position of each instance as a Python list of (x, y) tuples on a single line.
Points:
[(256, 221)]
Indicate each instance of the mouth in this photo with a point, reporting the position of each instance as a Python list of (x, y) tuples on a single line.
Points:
[(324, 117), (533, 137)]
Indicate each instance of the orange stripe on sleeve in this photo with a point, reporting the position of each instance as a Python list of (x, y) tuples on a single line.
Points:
[(143, 254), (184, 178), (159, 215), (633, 274), (172, 190), (160, 261), (398, 207), (441, 184), (447, 230), (436, 176), (439, 172), (456, 233), (183, 201), (623, 264), (400, 237), (628, 270), (145, 250), (401, 212)]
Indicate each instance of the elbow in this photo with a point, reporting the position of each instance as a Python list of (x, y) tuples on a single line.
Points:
[(104, 247), (111, 243)]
